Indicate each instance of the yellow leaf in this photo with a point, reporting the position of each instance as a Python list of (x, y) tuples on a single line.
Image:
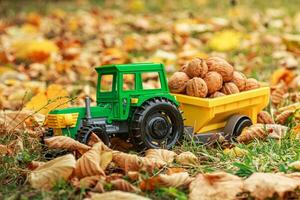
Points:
[(48, 174), (282, 74), (295, 165), (34, 50), (106, 158), (226, 40), (235, 152), (54, 97)]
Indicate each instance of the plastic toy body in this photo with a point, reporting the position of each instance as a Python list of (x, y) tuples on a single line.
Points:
[(129, 107), (207, 115), (126, 103)]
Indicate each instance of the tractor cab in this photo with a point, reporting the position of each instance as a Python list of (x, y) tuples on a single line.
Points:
[(121, 87)]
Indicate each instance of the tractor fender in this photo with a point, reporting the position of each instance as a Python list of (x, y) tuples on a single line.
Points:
[(166, 96)]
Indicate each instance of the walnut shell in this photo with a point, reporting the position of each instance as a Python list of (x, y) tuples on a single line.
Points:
[(177, 82), (221, 66), (263, 117), (230, 88), (183, 68), (214, 81), (239, 79), (251, 84), (217, 94), (196, 87), (196, 68)]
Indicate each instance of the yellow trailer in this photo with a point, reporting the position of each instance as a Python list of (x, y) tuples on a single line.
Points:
[(225, 113)]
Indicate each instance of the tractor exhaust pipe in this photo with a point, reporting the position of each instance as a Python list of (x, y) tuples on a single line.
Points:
[(88, 108)]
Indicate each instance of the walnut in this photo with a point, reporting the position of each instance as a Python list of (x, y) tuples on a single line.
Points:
[(196, 68), (264, 117), (214, 81), (230, 88), (196, 87), (221, 66), (177, 82), (239, 79), (217, 94), (251, 84), (183, 68)]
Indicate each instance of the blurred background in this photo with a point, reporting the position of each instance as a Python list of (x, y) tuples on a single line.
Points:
[(47, 42)]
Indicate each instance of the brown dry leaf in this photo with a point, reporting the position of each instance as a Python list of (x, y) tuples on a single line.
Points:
[(106, 158), (276, 131), (53, 98), (123, 185), (18, 120), (15, 146), (217, 186), (64, 142), (266, 185), (162, 155), (295, 165), (255, 131), (131, 162), (263, 117), (181, 179), (187, 158), (48, 174), (113, 195), (86, 182), (89, 164), (133, 175), (35, 164), (150, 184), (3, 149), (173, 170), (282, 117), (277, 93)]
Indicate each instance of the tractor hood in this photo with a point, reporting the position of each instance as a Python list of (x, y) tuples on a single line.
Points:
[(68, 120)]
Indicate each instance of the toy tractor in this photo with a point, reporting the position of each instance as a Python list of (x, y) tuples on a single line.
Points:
[(129, 107)]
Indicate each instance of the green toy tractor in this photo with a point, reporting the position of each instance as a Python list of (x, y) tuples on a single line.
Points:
[(127, 106)]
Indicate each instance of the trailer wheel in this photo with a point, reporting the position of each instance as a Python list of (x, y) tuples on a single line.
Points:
[(235, 126), (156, 124), (85, 132)]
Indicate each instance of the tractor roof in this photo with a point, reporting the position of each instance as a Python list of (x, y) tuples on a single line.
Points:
[(130, 67)]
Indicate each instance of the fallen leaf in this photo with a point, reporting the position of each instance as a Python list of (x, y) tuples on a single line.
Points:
[(54, 97), (173, 170), (162, 155), (64, 142), (295, 165), (225, 40), (3, 149), (181, 179), (282, 117), (35, 164), (256, 131), (131, 162), (187, 158), (89, 163), (263, 117), (123, 185), (266, 185), (86, 182), (48, 174), (276, 131), (217, 186), (235, 152), (117, 195), (282, 74)]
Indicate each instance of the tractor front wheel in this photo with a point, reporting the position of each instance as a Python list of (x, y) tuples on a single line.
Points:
[(156, 124), (85, 132)]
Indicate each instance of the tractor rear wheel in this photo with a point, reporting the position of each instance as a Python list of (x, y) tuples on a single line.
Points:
[(157, 123), (235, 125), (85, 132)]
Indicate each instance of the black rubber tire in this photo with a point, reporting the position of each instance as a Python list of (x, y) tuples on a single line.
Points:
[(157, 123), (235, 126), (84, 133)]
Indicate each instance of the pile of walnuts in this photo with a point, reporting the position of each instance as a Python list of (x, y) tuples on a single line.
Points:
[(211, 77)]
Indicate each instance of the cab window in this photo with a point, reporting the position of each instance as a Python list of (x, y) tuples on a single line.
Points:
[(106, 84), (151, 80), (128, 82)]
